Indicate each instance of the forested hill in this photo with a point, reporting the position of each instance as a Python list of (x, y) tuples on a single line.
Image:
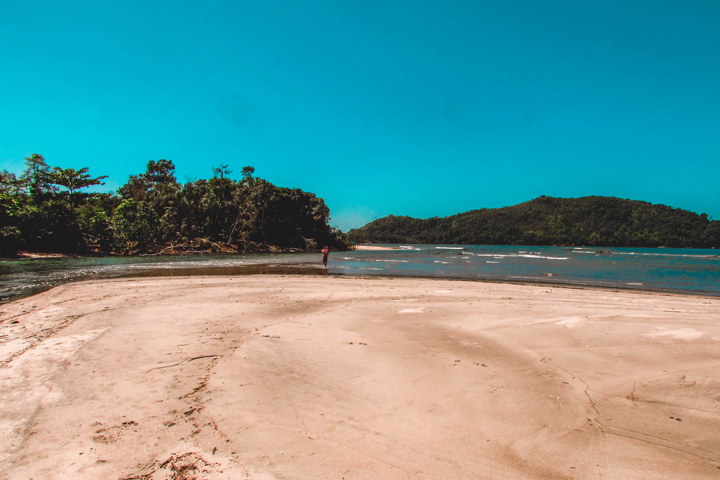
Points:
[(46, 210), (593, 221)]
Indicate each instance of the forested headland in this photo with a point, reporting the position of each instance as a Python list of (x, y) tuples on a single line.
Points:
[(589, 221), (46, 209)]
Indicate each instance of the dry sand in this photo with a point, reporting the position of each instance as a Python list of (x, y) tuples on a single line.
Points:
[(281, 377)]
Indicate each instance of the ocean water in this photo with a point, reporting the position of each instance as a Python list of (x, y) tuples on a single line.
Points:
[(657, 269), (693, 271)]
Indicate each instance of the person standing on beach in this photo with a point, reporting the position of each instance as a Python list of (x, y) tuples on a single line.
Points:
[(325, 252)]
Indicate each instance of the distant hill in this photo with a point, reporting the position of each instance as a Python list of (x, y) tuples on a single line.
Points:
[(596, 221)]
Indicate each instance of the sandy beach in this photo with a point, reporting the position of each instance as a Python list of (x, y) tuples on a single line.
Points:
[(373, 248), (288, 377)]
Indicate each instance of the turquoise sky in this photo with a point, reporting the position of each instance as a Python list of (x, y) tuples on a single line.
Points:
[(405, 107)]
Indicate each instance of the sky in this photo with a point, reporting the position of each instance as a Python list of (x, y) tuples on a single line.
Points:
[(400, 107)]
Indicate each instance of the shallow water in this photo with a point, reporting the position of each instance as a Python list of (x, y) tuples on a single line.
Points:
[(659, 269), (24, 277)]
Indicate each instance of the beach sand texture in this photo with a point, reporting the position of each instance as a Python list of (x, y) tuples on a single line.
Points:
[(282, 377)]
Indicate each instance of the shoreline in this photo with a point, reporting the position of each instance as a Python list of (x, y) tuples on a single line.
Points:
[(317, 270), (277, 376)]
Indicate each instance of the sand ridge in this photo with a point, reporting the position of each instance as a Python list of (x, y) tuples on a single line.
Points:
[(275, 377)]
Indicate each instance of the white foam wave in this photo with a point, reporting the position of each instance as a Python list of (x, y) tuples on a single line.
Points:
[(647, 254), (544, 257), (515, 255)]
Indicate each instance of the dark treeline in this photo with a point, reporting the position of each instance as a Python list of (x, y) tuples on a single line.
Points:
[(45, 210), (596, 221)]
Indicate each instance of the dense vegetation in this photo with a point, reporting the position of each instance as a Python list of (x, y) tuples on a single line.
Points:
[(596, 221), (45, 210)]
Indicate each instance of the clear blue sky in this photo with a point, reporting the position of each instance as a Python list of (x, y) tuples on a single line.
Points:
[(386, 107)]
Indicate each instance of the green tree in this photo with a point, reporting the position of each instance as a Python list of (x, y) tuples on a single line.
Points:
[(36, 175), (247, 172), (135, 227), (72, 179), (221, 171), (159, 175)]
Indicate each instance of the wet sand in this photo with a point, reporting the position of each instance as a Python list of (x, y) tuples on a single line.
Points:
[(278, 377)]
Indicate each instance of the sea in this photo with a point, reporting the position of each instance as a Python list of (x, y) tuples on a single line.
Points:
[(685, 271)]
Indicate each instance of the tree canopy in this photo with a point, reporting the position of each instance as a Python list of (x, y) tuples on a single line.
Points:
[(596, 221), (74, 179), (45, 210)]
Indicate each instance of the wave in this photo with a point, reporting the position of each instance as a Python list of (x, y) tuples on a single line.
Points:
[(666, 255), (515, 255), (645, 254)]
